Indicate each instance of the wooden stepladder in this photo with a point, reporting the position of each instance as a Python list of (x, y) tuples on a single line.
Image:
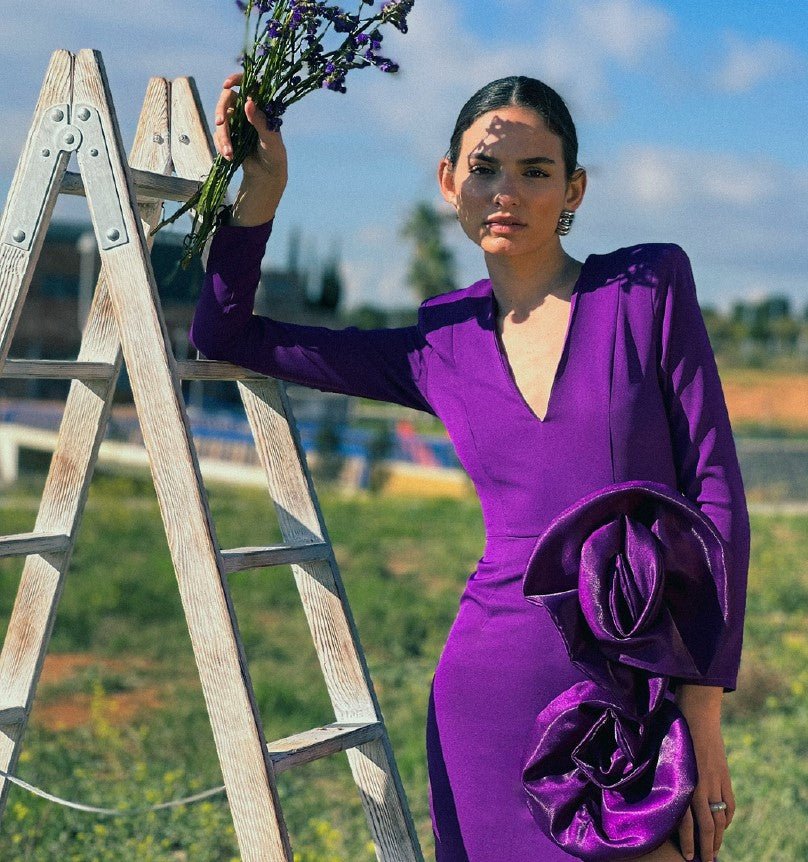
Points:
[(74, 112)]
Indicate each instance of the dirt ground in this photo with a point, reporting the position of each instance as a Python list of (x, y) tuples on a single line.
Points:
[(773, 398), (68, 711)]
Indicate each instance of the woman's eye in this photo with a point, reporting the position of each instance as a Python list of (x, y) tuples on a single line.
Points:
[(483, 169)]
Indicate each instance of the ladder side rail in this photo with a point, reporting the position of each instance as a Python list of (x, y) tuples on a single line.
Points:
[(330, 619), (319, 584), (82, 429), (198, 565), (32, 195)]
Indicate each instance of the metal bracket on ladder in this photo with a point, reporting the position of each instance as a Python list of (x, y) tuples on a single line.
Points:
[(57, 134), (75, 113)]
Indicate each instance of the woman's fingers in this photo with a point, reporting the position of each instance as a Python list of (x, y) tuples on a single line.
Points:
[(224, 108), (686, 839), (729, 797)]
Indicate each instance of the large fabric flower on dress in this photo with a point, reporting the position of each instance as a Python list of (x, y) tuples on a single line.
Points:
[(634, 578)]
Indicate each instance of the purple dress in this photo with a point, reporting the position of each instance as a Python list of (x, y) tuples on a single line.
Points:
[(636, 395)]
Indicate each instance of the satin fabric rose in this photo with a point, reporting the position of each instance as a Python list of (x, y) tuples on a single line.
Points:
[(634, 577), (604, 784)]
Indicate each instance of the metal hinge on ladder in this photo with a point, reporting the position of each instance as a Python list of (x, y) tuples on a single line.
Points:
[(56, 135), (75, 114)]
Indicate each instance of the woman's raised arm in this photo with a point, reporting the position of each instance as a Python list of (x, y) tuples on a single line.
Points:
[(383, 364)]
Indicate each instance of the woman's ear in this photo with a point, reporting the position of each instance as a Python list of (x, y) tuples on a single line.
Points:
[(576, 186), (446, 180)]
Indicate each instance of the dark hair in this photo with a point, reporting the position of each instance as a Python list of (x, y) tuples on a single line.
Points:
[(527, 93)]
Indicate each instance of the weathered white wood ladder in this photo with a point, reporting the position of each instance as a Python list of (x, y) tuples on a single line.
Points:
[(75, 112)]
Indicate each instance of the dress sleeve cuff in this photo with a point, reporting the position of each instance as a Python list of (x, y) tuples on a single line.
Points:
[(236, 251)]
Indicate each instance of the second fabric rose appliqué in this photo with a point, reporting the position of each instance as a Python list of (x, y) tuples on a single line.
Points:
[(634, 577)]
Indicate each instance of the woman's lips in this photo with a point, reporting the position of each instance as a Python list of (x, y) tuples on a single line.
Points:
[(502, 229)]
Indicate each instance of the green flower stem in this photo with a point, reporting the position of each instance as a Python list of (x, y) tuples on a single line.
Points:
[(266, 77)]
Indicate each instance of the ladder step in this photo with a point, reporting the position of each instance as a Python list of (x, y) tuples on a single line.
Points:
[(148, 186), (320, 742), (11, 715), (212, 369), (57, 369), (239, 559), (22, 544)]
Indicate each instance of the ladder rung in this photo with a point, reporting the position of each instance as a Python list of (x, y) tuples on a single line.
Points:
[(58, 369), (239, 559), (22, 544), (148, 186), (212, 369), (10, 715), (320, 742)]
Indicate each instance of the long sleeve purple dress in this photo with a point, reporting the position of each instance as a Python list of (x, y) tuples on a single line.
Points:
[(636, 395)]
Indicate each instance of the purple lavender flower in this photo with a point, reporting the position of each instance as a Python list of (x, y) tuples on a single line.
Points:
[(396, 11), (290, 37), (273, 109)]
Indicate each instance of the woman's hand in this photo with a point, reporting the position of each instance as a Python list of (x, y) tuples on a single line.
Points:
[(714, 783), (265, 169)]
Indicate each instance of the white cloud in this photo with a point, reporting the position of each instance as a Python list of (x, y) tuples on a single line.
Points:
[(664, 176), (746, 64), (570, 46), (652, 180), (359, 161), (625, 29), (742, 219)]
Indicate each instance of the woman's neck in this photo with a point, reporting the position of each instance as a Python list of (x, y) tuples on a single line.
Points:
[(521, 283)]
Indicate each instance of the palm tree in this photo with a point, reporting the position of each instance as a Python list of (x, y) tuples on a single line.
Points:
[(432, 267)]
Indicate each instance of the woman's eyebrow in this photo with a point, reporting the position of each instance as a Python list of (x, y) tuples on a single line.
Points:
[(534, 160)]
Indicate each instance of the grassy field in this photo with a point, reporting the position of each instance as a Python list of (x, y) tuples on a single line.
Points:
[(119, 719)]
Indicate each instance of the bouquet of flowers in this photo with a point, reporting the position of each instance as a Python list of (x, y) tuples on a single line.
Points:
[(290, 53)]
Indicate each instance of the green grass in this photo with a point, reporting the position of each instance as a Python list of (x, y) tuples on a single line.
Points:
[(404, 564)]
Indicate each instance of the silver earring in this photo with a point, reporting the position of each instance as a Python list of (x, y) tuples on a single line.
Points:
[(565, 222)]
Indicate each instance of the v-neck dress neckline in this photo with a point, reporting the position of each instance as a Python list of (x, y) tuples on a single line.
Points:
[(504, 362)]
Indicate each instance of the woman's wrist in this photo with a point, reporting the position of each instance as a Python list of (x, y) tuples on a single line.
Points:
[(700, 698), (256, 203)]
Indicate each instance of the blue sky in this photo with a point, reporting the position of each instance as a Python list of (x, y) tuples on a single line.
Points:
[(692, 119)]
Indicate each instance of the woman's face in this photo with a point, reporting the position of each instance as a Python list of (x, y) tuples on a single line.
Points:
[(511, 167)]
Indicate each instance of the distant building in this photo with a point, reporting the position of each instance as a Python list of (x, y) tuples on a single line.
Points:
[(65, 277)]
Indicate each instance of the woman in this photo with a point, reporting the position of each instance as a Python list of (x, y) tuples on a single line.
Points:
[(554, 377)]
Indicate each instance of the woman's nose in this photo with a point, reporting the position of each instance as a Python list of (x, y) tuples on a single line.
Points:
[(506, 196)]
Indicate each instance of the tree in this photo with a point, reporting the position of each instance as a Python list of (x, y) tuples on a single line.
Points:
[(432, 267), (330, 286)]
